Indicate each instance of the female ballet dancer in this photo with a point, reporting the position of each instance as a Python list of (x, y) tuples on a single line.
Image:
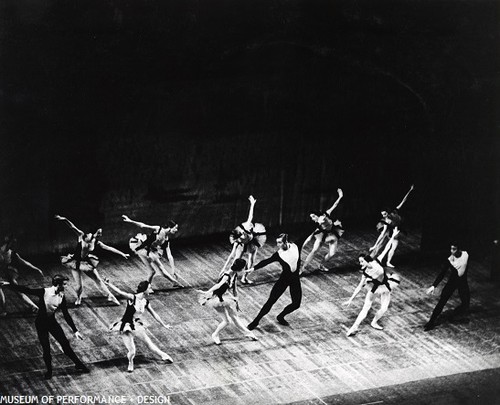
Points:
[(377, 283), (328, 231), (247, 238), (83, 261), (225, 302), (390, 221), (151, 248), (8, 259), (130, 325)]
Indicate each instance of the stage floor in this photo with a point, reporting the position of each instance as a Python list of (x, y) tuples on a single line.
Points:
[(309, 362)]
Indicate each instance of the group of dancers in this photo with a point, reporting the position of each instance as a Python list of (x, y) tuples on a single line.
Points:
[(246, 239)]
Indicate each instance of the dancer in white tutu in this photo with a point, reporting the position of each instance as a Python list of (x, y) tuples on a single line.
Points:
[(391, 220), (223, 297), (377, 284), (130, 326), (246, 238), (328, 231), (152, 247), (83, 261)]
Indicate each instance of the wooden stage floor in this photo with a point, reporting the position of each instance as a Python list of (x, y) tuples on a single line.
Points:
[(309, 362)]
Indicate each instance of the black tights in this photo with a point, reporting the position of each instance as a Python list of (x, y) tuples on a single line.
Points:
[(50, 325), (453, 283), (285, 281)]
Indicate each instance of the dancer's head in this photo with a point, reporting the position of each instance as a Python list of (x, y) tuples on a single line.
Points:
[(364, 259), (455, 249), (282, 241), (60, 282), (144, 287), (239, 264), (171, 226), (385, 212)]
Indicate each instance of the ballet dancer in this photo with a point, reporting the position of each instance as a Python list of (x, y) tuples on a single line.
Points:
[(246, 238), (390, 221), (151, 248), (9, 260), (288, 255), (377, 284), (83, 261), (130, 325), (223, 297), (457, 263), (328, 231), (50, 300)]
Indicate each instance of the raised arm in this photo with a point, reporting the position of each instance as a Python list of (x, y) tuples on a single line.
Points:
[(28, 264), (405, 198), (112, 250), (341, 194), (231, 255), (70, 224), (140, 224), (250, 211), (124, 294)]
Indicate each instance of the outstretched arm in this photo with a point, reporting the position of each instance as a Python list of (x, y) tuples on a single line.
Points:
[(405, 198), (250, 211), (216, 286), (70, 224), (117, 290), (263, 263), (380, 237), (356, 291), (112, 250), (157, 317), (140, 224), (341, 194), (229, 258), (28, 264)]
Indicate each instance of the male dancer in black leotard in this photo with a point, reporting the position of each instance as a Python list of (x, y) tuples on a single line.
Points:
[(288, 255), (51, 299)]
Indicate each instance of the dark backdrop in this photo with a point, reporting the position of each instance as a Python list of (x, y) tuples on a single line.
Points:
[(180, 109)]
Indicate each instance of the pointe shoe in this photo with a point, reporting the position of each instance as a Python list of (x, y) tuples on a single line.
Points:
[(216, 339), (389, 264), (282, 321), (352, 331), (246, 281), (130, 367), (253, 337), (375, 325), (252, 325), (113, 299), (78, 301), (167, 359), (323, 269)]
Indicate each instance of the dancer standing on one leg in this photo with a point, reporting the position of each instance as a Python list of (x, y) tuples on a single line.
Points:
[(377, 283), (328, 231), (8, 259), (83, 261), (457, 263), (390, 221), (225, 302), (288, 255), (130, 326), (247, 238), (50, 300), (151, 248)]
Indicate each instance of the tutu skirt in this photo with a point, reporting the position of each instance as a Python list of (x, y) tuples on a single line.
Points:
[(87, 264)]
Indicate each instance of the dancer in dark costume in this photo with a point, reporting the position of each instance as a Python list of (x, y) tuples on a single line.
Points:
[(328, 231), (457, 264), (50, 300), (288, 255), (390, 220), (130, 326), (9, 261), (246, 238), (377, 283), (223, 297), (151, 248), (83, 261)]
